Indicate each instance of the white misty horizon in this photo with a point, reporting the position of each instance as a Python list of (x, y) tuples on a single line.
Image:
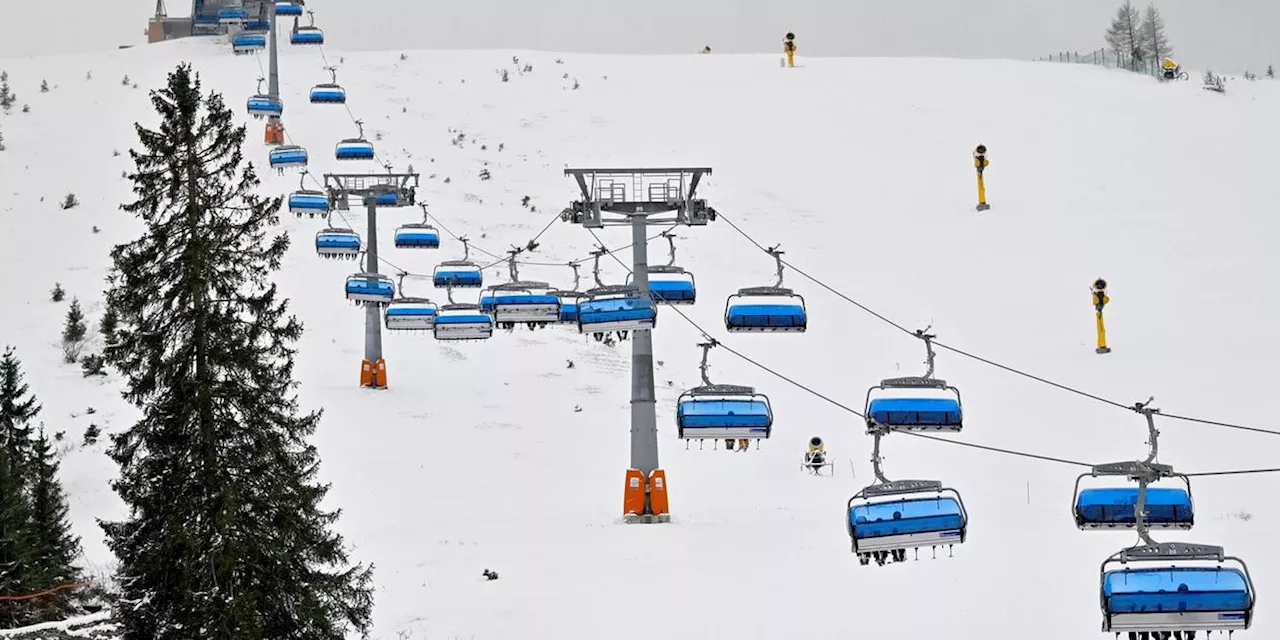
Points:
[(1227, 35)]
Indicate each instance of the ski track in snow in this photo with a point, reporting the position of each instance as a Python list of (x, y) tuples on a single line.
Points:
[(474, 458)]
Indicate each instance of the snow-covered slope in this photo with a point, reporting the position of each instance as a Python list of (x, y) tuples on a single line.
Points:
[(475, 457)]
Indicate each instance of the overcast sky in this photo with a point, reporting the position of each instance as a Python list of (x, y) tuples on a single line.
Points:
[(1229, 35)]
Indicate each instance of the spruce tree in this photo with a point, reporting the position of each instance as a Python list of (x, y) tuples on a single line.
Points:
[(53, 547), (16, 411), (73, 332), (6, 94), (15, 540), (107, 326), (225, 538)]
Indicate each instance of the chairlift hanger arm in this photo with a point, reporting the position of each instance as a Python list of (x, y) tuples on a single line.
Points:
[(777, 256), (1153, 434), (595, 265), (671, 242), (877, 460), (924, 334), (704, 367), (513, 268)]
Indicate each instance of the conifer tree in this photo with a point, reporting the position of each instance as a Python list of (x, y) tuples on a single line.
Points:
[(225, 538), (15, 540), (73, 332), (107, 325), (16, 411), (6, 94), (1125, 34), (1155, 41), (53, 547)]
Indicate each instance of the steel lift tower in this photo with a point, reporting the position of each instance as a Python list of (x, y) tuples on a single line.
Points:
[(639, 198), (374, 189), (275, 127)]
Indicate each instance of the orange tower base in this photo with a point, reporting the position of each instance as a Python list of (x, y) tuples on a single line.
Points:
[(637, 491), (633, 494), (658, 493), (274, 133), (373, 374)]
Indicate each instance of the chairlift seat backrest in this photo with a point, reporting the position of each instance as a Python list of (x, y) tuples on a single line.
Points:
[(305, 201), (462, 274), (1181, 589), (288, 155), (288, 9), (1114, 507), (463, 321), (905, 514), (923, 412), (328, 93), (906, 517), (337, 238), (766, 309), (417, 236)]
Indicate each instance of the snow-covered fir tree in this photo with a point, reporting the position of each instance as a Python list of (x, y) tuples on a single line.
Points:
[(225, 538), (54, 549)]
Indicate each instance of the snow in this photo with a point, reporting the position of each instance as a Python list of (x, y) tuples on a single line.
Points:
[(475, 459), (70, 626)]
